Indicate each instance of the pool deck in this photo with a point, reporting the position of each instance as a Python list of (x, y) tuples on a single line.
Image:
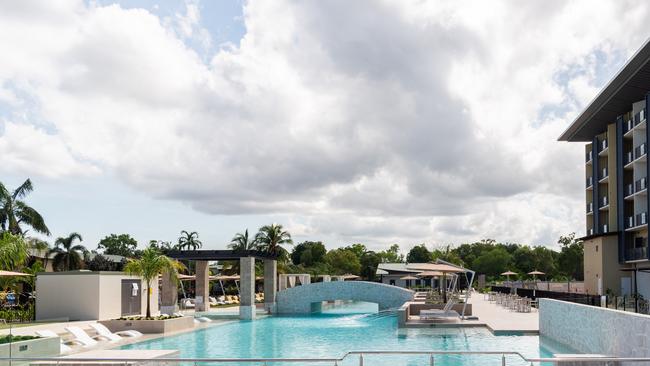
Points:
[(496, 318)]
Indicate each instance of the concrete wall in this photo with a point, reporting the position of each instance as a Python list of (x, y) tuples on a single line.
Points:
[(299, 300), (591, 329), (601, 267), (84, 295)]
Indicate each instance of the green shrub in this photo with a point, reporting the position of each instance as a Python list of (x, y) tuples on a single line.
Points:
[(15, 338)]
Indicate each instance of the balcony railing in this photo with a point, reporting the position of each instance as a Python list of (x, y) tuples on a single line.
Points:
[(603, 145), (639, 151), (604, 201), (638, 186), (590, 207), (639, 117), (589, 156), (590, 182), (636, 220), (604, 228), (590, 232), (641, 184), (604, 173), (632, 254)]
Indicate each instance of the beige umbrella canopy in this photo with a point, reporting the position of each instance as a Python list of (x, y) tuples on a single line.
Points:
[(508, 273), (440, 267), (535, 273), (10, 273), (409, 277), (430, 274), (349, 276)]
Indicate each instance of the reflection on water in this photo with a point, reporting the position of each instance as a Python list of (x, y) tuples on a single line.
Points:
[(344, 328)]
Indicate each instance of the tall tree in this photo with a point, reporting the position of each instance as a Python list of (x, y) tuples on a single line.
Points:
[(242, 242), (149, 266), (14, 212), (343, 261), (271, 238), (189, 241), (419, 254), (391, 255), (571, 258), (67, 255), (122, 244), (308, 253), (13, 251)]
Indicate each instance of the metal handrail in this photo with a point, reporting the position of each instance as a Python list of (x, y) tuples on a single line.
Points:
[(361, 354)]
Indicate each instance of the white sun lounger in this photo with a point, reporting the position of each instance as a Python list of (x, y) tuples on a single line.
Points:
[(445, 312), (50, 334), (114, 336), (81, 336)]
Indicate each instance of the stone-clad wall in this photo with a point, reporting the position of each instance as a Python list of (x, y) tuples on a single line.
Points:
[(299, 299), (595, 330)]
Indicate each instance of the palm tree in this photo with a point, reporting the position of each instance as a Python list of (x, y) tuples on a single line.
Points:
[(149, 266), (14, 211), (271, 238), (68, 256), (189, 241), (241, 242), (13, 251), (38, 248)]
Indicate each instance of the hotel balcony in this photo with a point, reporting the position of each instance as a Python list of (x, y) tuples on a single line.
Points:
[(590, 183), (589, 157), (639, 187), (639, 154), (637, 122), (604, 176), (590, 232), (604, 229), (590, 208), (602, 147), (603, 203), (637, 253), (636, 222)]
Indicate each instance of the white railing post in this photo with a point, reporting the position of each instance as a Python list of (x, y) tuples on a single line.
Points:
[(361, 359), (503, 360)]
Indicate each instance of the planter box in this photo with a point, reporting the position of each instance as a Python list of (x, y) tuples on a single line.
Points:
[(39, 347), (150, 326)]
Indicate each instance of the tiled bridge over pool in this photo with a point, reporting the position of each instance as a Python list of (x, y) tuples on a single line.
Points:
[(308, 298)]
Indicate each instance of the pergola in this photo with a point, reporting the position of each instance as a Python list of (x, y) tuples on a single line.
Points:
[(247, 279)]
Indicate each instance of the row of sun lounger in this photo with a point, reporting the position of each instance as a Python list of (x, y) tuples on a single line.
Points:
[(80, 337), (221, 300)]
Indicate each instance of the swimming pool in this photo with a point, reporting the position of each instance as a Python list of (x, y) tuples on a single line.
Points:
[(348, 328)]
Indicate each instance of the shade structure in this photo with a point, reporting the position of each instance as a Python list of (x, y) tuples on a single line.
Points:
[(349, 276), (439, 267), (409, 277), (224, 278), (10, 274), (536, 273), (508, 273), (430, 274)]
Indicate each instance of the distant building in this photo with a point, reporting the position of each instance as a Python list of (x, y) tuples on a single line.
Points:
[(403, 275), (614, 130)]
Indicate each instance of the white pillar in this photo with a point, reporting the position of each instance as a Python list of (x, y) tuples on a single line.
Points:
[(270, 284), (247, 288)]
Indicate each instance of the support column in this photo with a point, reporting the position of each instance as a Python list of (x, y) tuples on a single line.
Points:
[(270, 284), (247, 288), (169, 295), (201, 299)]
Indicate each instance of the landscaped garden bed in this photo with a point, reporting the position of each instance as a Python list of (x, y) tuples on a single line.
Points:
[(159, 324)]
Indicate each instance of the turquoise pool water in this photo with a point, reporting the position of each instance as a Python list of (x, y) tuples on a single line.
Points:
[(349, 328)]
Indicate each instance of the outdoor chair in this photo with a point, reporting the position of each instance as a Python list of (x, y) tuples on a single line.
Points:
[(81, 336), (115, 336)]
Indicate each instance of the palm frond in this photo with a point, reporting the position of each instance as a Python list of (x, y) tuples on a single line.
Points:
[(31, 217), (23, 190)]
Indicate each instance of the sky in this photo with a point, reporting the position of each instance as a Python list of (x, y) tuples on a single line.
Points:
[(376, 122)]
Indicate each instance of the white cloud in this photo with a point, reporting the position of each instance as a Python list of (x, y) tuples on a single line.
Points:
[(377, 121)]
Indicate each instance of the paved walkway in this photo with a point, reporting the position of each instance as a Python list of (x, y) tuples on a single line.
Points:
[(498, 319)]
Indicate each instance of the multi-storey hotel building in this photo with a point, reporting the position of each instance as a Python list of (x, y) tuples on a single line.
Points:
[(615, 132)]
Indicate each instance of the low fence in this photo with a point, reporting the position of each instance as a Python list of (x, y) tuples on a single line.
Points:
[(533, 294), (632, 304)]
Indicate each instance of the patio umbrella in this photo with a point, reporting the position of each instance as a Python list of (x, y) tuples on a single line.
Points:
[(10, 273), (508, 274), (409, 277), (430, 274), (534, 274)]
